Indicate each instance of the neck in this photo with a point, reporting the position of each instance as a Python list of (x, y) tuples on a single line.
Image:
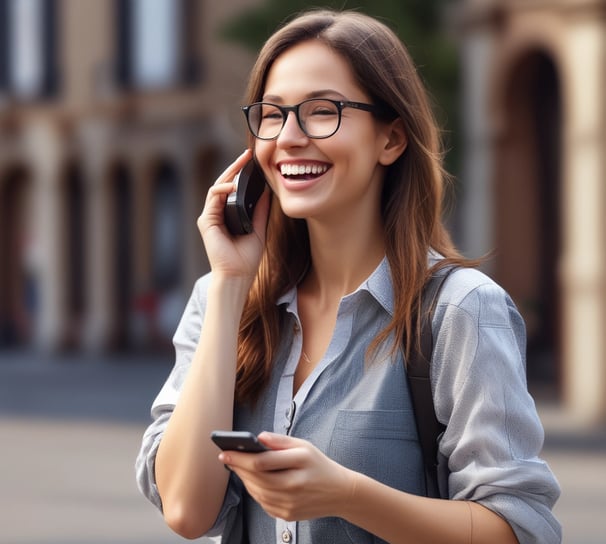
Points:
[(342, 259)]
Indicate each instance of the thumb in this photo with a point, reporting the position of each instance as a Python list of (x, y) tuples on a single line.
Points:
[(276, 441)]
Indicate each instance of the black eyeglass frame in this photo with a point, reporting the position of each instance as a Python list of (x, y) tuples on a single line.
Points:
[(285, 110)]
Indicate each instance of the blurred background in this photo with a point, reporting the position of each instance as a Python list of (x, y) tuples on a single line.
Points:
[(115, 118)]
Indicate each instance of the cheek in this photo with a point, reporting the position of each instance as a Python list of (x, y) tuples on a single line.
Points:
[(356, 151), (363, 137), (262, 152)]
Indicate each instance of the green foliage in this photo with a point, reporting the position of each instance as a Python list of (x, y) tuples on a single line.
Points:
[(418, 23)]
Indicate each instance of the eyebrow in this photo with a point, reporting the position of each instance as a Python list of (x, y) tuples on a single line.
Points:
[(323, 93)]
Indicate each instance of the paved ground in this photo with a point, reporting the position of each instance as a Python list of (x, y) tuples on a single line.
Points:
[(70, 430)]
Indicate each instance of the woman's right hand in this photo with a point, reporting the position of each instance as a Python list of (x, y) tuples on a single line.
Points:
[(232, 256)]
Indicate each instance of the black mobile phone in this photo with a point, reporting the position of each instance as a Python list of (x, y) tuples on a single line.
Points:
[(240, 204), (237, 441)]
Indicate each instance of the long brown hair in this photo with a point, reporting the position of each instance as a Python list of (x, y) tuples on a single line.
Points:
[(412, 192)]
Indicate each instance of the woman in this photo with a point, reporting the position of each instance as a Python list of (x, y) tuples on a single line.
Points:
[(297, 330)]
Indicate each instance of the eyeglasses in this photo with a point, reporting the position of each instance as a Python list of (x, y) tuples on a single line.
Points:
[(318, 117)]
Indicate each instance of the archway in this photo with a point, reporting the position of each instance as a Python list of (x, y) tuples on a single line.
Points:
[(74, 230), (167, 248), (206, 169), (121, 240), (18, 273), (527, 210)]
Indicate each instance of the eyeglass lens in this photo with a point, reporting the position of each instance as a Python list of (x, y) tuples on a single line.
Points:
[(318, 118)]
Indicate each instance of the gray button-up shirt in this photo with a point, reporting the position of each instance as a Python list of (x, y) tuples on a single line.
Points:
[(358, 411)]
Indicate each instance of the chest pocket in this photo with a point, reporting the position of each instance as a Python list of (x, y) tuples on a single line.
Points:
[(382, 444)]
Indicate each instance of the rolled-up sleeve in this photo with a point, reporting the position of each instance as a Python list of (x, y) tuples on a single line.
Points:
[(494, 436), (185, 341)]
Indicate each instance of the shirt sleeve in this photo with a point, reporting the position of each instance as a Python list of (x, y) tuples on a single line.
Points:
[(493, 434), (185, 342)]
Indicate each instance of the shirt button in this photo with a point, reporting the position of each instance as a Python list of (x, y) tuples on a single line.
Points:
[(296, 327), (286, 536)]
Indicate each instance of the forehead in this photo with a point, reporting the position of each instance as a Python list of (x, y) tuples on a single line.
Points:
[(304, 69)]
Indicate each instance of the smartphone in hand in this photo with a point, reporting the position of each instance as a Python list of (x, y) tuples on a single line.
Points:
[(240, 204), (237, 441)]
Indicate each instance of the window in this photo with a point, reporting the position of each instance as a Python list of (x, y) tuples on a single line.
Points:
[(154, 43), (25, 36), (28, 68)]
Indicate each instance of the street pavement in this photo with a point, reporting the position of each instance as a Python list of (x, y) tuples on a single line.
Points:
[(71, 426)]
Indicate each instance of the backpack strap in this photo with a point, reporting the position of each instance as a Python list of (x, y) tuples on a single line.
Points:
[(418, 369)]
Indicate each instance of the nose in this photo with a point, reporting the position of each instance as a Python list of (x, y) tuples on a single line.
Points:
[(291, 134)]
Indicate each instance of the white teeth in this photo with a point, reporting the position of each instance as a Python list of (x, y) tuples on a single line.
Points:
[(301, 169)]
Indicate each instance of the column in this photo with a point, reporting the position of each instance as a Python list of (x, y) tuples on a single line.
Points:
[(584, 262), (43, 145), (95, 136), (477, 197)]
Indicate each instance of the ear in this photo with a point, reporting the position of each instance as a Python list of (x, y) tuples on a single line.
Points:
[(395, 140)]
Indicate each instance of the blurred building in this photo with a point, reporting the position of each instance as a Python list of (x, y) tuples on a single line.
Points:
[(115, 116), (534, 76)]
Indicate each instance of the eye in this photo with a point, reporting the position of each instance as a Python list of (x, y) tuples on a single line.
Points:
[(271, 113), (324, 112), (323, 109)]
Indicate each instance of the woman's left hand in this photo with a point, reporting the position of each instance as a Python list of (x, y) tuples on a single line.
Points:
[(295, 480)]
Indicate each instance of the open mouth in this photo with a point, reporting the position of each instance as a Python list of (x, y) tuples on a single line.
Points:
[(302, 171)]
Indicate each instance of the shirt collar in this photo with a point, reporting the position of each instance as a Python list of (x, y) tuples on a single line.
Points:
[(379, 285)]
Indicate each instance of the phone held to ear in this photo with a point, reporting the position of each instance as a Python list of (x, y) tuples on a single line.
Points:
[(237, 441), (240, 204)]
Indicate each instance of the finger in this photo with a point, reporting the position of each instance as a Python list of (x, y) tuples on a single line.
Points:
[(267, 462), (224, 183), (268, 494), (277, 490), (272, 487), (222, 189), (230, 172), (215, 204), (275, 441)]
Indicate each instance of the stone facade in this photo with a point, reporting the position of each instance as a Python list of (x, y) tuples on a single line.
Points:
[(104, 171), (534, 76), (104, 168)]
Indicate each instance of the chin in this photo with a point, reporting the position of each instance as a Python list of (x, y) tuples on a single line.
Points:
[(296, 210), (296, 213)]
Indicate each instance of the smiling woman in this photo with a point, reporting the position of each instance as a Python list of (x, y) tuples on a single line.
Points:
[(332, 124), (296, 333)]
